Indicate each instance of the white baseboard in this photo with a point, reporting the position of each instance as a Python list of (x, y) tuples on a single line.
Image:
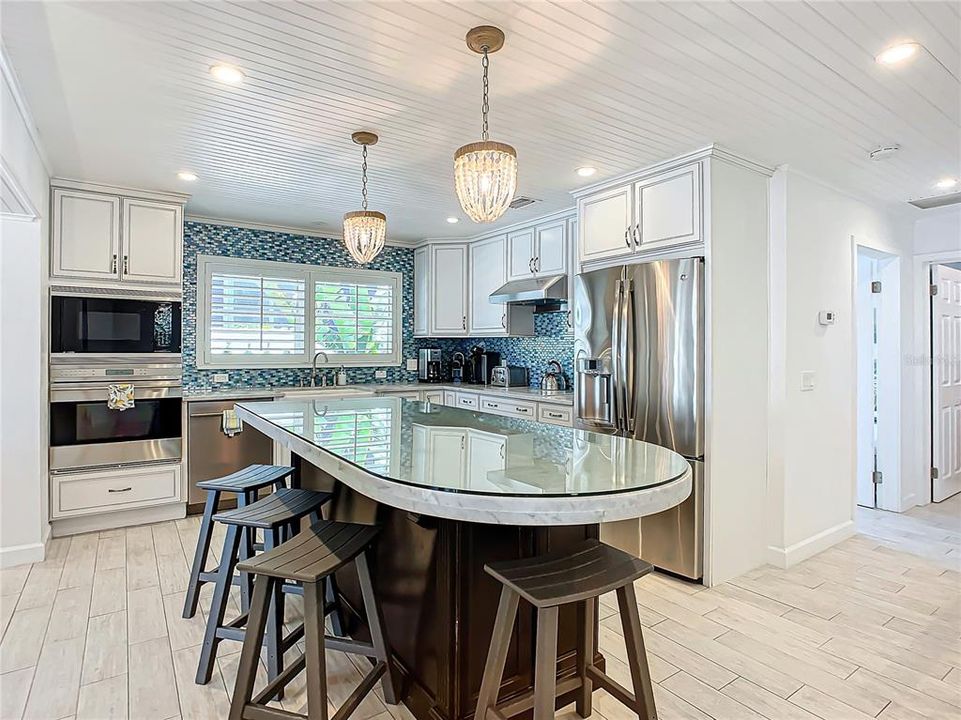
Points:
[(125, 518), (908, 501), (21, 554), (793, 554)]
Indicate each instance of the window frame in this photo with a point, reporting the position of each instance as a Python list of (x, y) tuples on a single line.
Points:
[(208, 265)]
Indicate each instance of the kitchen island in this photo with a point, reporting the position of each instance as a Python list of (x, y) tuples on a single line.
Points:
[(455, 489)]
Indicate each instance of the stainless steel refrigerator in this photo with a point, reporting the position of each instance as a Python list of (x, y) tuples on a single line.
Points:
[(639, 367)]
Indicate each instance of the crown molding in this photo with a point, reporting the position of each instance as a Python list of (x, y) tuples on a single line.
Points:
[(94, 186), (10, 75), (319, 233), (501, 230), (24, 210)]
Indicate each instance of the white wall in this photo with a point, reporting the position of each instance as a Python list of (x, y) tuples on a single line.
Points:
[(23, 314), (812, 460), (938, 230)]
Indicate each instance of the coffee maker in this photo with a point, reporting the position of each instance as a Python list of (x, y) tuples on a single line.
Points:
[(429, 365), (480, 363)]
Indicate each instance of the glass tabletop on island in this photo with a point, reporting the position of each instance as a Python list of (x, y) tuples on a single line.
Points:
[(440, 448)]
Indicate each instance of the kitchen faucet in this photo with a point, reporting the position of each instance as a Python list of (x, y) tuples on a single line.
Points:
[(313, 367)]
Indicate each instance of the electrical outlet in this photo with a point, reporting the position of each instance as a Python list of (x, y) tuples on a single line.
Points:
[(412, 364), (221, 377), (380, 374)]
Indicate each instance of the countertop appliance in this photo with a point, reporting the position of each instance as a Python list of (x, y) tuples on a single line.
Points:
[(480, 363), (510, 376), (639, 371), (554, 379), (429, 365), (211, 454), (97, 325), (457, 367), (85, 433)]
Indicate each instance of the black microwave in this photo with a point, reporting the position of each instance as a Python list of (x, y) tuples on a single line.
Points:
[(80, 324)]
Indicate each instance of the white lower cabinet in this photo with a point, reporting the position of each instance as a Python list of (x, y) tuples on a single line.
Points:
[(88, 493), (433, 396), (555, 414), (467, 458), (487, 453), (508, 407), (450, 398), (466, 400)]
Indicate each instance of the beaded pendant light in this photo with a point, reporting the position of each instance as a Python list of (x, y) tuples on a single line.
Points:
[(485, 172), (365, 231)]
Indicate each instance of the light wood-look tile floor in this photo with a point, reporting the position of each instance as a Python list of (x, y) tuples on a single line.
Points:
[(868, 629)]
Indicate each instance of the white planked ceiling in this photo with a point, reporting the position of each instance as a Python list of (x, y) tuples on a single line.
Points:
[(121, 94)]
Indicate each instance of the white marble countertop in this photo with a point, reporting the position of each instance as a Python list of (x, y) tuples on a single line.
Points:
[(471, 466), (521, 393)]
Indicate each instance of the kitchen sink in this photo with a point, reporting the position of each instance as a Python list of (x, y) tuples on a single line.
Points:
[(331, 391)]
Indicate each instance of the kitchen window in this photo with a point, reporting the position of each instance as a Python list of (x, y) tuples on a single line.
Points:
[(262, 314)]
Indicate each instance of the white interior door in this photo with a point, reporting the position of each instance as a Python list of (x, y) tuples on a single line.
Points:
[(946, 381), (867, 309)]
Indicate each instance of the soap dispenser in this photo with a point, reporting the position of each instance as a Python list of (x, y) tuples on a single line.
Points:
[(342, 376)]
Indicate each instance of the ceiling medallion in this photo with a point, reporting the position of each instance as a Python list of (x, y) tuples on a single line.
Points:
[(365, 231), (485, 172)]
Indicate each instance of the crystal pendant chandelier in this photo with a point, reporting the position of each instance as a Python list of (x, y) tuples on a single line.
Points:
[(365, 231), (485, 173)]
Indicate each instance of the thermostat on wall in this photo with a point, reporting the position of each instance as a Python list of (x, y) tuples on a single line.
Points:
[(827, 317)]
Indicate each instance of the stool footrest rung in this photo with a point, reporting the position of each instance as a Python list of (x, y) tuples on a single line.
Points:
[(296, 634), (265, 712), (525, 702), (238, 621), (605, 682), (345, 645), (281, 681), (360, 692), (230, 633)]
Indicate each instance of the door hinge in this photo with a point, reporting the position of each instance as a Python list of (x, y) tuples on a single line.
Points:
[(935, 473), (876, 287), (877, 477), (932, 289)]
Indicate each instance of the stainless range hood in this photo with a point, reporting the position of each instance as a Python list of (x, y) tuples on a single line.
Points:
[(547, 291)]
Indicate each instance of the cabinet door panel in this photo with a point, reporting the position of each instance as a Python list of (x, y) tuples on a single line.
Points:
[(603, 221), (448, 285), (86, 235), (447, 450), (550, 252), (421, 291), (152, 242), (487, 273), (520, 251), (668, 208), (487, 453)]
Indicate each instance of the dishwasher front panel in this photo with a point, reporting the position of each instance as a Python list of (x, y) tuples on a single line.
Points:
[(211, 454)]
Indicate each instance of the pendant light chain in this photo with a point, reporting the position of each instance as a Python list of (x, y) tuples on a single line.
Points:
[(485, 107), (364, 172)]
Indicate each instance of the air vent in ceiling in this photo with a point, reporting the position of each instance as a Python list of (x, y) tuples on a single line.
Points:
[(937, 201), (521, 201)]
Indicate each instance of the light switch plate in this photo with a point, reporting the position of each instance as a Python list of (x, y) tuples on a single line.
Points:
[(221, 377), (412, 364), (380, 374), (807, 380)]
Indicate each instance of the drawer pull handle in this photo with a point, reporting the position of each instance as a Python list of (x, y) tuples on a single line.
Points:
[(554, 415), (119, 490), (522, 410)]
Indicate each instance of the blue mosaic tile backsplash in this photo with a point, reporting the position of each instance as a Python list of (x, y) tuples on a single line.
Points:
[(552, 339)]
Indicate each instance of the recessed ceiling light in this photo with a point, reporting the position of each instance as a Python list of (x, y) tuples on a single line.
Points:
[(946, 183), (586, 171), (897, 53), (453, 220), (187, 176), (227, 74)]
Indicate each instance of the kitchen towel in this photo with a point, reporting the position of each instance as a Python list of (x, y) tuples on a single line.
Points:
[(120, 396), (230, 423)]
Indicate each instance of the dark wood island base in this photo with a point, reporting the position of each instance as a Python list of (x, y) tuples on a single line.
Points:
[(440, 605)]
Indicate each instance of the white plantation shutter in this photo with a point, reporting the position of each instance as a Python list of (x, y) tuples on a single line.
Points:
[(263, 314), (361, 436), (354, 318)]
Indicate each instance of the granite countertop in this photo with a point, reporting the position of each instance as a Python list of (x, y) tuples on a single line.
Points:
[(526, 393)]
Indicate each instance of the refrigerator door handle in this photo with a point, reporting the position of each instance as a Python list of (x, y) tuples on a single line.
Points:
[(615, 364), (630, 354)]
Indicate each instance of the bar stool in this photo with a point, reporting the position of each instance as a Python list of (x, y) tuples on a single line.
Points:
[(310, 557), (245, 484), (579, 575), (273, 514)]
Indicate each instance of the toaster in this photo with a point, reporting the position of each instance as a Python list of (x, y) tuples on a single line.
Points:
[(510, 376)]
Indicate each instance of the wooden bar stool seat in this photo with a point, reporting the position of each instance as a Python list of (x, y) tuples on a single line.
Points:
[(579, 575), (245, 484), (311, 557), (274, 515)]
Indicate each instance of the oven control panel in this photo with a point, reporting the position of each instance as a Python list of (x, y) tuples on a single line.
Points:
[(59, 374)]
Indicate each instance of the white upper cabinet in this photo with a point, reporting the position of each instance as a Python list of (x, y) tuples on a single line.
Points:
[(550, 248), (153, 242), (448, 291), (668, 209), (104, 236), (520, 251), (421, 291), (488, 271), (604, 222), (86, 235), (657, 212)]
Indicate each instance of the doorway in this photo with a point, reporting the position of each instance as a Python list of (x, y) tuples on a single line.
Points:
[(945, 381), (878, 349)]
